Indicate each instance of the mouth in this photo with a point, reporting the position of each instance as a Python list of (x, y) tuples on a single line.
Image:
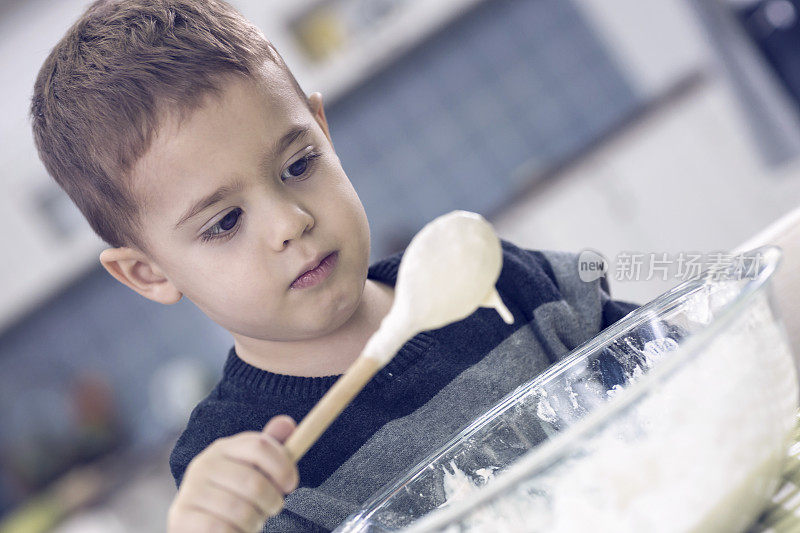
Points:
[(316, 272)]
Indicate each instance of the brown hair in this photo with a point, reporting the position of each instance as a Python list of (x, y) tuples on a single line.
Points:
[(100, 94)]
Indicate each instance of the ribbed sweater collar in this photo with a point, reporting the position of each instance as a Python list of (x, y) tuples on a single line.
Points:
[(242, 374)]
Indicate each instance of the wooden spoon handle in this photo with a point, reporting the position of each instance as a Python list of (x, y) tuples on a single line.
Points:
[(330, 405)]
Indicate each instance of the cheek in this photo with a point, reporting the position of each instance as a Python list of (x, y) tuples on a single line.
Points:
[(246, 298), (226, 281), (347, 201)]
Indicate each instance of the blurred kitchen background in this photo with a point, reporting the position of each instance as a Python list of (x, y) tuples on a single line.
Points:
[(623, 126)]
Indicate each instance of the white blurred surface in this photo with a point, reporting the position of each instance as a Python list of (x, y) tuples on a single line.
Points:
[(686, 178)]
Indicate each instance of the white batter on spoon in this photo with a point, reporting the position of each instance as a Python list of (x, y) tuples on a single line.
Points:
[(448, 270)]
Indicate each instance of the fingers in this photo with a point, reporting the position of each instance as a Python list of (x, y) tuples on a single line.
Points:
[(280, 427), (236, 483), (266, 455), (230, 507), (194, 520), (252, 486), (216, 509)]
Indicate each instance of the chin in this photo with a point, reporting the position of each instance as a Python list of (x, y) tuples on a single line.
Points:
[(349, 304)]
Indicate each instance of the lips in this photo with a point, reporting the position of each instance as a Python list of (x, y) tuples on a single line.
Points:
[(314, 263)]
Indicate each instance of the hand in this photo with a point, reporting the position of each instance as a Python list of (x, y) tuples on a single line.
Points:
[(236, 483)]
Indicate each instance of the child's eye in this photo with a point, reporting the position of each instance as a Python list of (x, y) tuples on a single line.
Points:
[(302, 166), (224, 229)]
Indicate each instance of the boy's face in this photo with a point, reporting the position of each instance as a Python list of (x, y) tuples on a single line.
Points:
[(291, 201)]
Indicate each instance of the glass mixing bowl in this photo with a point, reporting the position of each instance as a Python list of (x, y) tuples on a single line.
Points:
[(676, 418)]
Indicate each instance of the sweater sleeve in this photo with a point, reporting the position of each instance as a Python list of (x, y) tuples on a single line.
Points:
[(194, 439), (612, 310), (567, 309), (591, 299), (210, 420)]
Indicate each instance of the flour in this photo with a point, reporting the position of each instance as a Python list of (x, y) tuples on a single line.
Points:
[(458, 486)]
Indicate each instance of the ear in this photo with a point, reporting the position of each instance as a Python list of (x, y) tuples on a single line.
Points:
[(317, 108), (134, 269)]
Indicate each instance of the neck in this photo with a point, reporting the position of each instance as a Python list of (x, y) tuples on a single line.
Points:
[(339, 349)]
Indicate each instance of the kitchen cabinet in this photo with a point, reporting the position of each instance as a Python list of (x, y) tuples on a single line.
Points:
[(373, 33)]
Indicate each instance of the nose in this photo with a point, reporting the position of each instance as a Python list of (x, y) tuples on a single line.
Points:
[(290, 222)]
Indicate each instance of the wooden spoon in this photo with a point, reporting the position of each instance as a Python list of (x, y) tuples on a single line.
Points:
[(448, 270)]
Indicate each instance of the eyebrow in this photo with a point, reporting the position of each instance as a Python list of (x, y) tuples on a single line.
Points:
[(222, 192)]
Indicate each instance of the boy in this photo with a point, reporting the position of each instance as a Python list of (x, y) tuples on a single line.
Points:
[(184, 139)]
